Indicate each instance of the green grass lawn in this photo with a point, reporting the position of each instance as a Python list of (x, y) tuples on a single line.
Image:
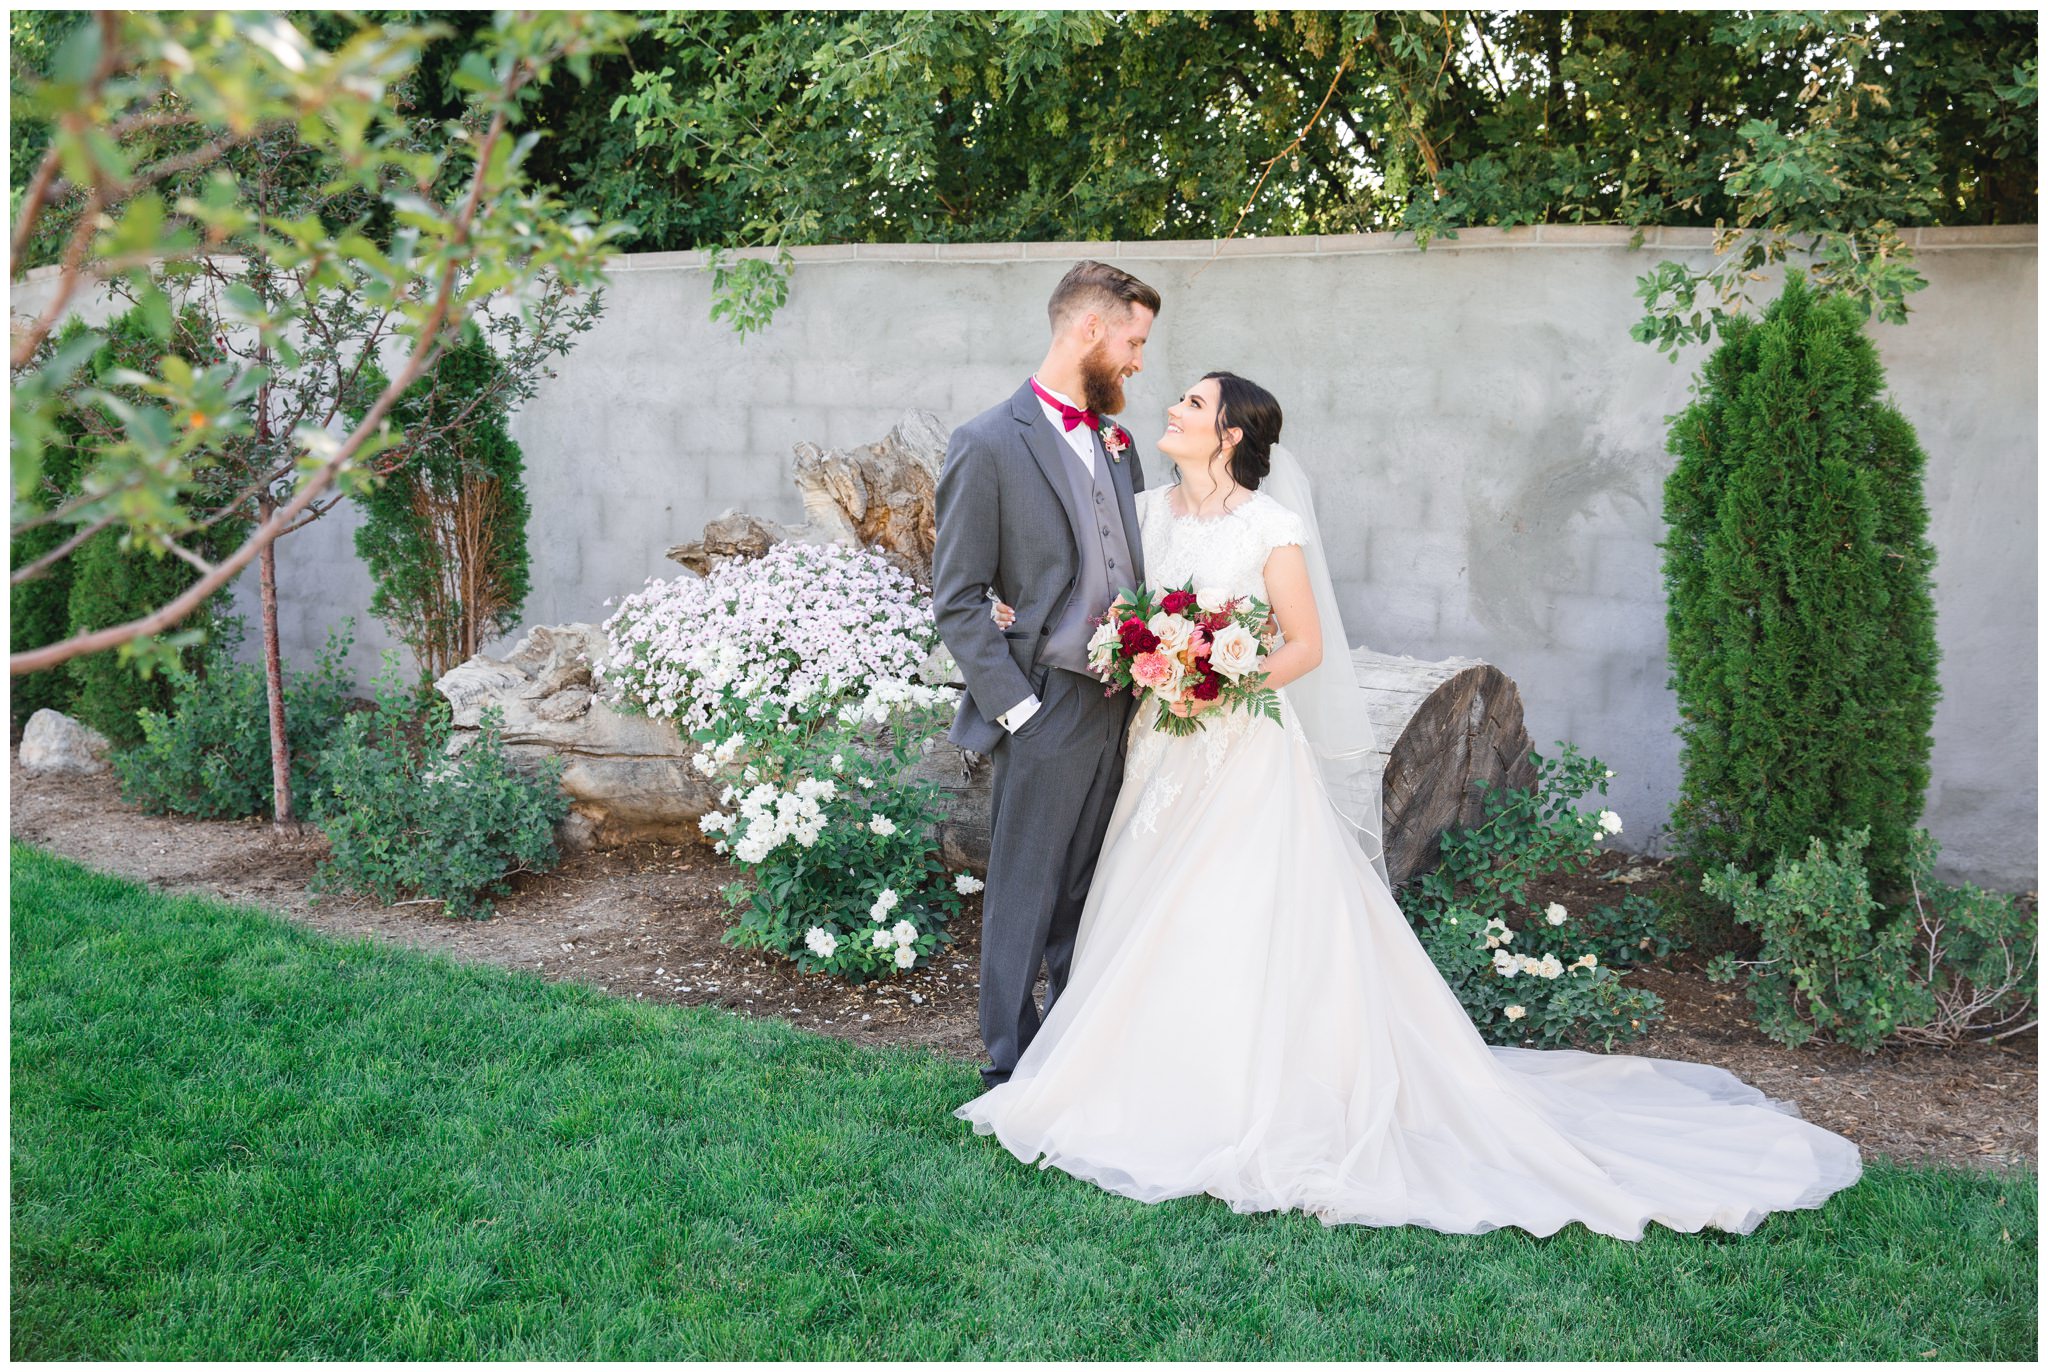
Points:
[(236, 1139)]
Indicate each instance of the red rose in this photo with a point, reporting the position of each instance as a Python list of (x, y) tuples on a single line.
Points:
[(1209, 687), (1136, 638), (1178, 602)]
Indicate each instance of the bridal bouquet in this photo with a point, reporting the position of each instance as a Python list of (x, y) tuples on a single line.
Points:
[(1187, 645)]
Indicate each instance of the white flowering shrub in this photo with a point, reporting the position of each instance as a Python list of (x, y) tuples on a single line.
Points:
[(1549, 976), (796, 672), (783, 639), (840, 845)]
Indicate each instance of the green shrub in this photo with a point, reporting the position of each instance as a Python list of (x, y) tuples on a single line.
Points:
[(110, 587), (444, 536), (1801, 611), (1976, 953), (99, 585), (1949, 962), (841, 842), (405, 821), (1550, 976), (40, 609), (210, 755)]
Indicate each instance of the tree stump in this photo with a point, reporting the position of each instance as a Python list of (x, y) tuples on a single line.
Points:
[(1443, 725), (880, 495)]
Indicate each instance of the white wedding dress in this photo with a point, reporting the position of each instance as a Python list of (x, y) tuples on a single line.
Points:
[(1250, 1016)]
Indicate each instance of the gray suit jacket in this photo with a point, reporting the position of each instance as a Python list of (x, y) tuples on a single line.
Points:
[(1007, 519)]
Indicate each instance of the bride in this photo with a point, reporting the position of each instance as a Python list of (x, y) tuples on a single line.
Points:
[(1249, 1014)]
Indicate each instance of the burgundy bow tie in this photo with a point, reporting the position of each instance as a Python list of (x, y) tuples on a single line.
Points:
[(1072, 416)]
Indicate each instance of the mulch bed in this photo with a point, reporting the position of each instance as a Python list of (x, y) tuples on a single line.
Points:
[(645, 921)]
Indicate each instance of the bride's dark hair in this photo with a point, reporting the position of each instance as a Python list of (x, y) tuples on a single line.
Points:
[(1250, 408)]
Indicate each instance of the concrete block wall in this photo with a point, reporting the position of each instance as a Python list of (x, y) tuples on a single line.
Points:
[(1488, 446)]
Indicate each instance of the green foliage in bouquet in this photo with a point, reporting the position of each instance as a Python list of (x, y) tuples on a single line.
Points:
[(1801, 609), (1547, 976), (1950, 963), (406, 821), (209, 755)]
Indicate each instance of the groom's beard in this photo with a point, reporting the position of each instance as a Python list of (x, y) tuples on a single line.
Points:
[(1102, 382)]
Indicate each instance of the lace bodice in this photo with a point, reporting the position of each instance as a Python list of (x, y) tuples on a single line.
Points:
[(1226, 551)]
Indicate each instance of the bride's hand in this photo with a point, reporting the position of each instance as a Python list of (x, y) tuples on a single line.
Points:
[(1187, 707), (1002, 614)]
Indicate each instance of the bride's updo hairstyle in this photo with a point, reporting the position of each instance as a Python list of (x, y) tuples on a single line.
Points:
[(1250, 408)]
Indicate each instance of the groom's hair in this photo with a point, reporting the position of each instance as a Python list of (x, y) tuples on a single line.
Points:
[(1100, 287)]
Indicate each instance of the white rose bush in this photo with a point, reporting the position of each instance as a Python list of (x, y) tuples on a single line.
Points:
[(798, 673), (1555, 975)]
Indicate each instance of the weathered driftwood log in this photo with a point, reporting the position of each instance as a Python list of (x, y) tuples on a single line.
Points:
[(1443, 726), (880, 495)]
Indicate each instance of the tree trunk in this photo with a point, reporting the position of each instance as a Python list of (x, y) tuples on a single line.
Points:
[(1443, 725), (282, 820)]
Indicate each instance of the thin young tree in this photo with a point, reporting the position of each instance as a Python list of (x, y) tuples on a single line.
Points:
[(304, 308)]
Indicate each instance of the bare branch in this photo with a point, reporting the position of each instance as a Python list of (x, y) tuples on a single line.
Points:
[(58, 553), (29, 339), (31, 209), (172, 545), (1276, 158)]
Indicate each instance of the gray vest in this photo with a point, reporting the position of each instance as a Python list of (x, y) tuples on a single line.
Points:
[(1106, 563)]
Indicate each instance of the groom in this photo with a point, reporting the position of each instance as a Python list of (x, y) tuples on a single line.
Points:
[(1032, 507)]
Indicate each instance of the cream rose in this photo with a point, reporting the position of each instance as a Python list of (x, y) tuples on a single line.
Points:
[(1212, 600), (1172, 631), (1102, 647), (1235, 653)]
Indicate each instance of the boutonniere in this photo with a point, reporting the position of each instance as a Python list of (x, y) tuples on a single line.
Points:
[(1114, 441)]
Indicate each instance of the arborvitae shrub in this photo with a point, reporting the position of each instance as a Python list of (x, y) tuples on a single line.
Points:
[(444, 536), (1801, 608), (39, 610), (99, 585)]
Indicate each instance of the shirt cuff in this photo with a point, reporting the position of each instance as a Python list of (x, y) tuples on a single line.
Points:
[(1014, 717)]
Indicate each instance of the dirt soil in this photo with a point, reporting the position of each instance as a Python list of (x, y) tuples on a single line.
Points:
[(645, 922)]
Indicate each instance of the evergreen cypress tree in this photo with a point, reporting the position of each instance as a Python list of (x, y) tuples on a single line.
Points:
[(444, 535), (39, 610), (1801, 609), (98, 584)]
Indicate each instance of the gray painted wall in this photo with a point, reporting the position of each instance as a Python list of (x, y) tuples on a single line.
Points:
[(1488, 446)]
